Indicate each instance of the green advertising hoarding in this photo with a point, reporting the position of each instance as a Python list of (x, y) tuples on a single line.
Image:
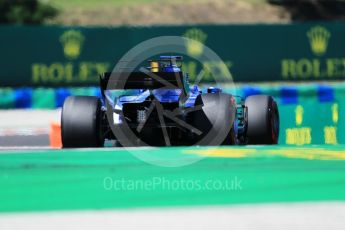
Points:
[(72, 56), (312, 122)]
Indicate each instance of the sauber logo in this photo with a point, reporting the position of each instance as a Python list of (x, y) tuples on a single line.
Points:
[(72, 42)]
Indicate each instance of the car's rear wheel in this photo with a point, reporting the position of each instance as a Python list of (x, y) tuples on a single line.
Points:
[(263, 120), (215, 119), (81, 122)]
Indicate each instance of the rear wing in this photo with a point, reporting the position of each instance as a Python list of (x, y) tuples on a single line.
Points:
[(142, 80)]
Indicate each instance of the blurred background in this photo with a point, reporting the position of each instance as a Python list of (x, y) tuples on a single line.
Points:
[(290, 49), (293, 50)]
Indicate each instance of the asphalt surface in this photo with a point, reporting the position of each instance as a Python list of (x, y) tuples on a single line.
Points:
[(24, 141), (26, 128)]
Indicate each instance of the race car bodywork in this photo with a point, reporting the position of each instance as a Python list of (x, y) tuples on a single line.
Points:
[(156, 106)]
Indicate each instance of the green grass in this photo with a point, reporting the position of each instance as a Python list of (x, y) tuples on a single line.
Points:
[(96, 4), (145, 12)]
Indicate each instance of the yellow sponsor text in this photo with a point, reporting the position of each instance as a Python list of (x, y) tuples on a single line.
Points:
[(56, 73), (298, 136)]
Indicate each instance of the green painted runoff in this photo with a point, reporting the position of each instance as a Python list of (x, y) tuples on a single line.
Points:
[(42, 180)]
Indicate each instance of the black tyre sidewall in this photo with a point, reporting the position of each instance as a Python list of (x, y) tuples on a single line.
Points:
[(81, 122), (262, 113), (215, 119)]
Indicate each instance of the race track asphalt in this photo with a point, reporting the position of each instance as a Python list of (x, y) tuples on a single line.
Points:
[(26, 127), (22, 140)]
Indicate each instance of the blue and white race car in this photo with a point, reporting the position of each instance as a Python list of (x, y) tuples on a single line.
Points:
[(157, 106)]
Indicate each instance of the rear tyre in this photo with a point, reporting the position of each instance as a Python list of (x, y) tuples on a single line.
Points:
[(263, 120), (81, 122), (215, 119)]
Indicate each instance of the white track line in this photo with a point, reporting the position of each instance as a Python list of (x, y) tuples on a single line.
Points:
[(23, 148), (23, 131), (316, 216)]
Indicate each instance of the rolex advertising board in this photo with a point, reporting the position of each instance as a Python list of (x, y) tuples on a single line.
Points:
[(74, 56)]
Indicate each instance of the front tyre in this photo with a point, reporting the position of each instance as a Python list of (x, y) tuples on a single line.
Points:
[(81, 120), (263, 120)]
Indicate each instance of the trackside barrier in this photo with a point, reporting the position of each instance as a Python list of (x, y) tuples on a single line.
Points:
[(59, 56), (309, 113)]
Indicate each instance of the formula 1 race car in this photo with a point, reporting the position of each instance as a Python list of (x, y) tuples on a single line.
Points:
[(158, 107)]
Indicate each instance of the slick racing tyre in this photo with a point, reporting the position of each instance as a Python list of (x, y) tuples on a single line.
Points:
[(263, 120), (215, 119), (81, 122)]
